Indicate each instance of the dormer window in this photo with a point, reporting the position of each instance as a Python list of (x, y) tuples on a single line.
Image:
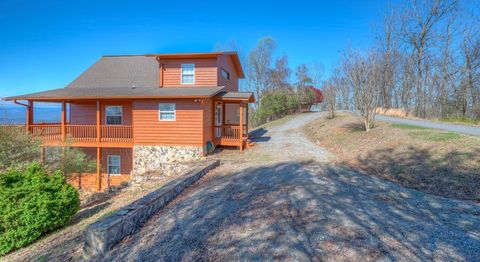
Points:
[(188, 74)]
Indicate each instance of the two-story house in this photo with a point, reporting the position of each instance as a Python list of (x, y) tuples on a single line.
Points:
[(134, 112)]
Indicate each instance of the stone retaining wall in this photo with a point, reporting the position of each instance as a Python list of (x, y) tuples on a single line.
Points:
[(159, 159), (104, 234)]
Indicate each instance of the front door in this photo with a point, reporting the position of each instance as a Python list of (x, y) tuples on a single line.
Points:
[(218, 120)]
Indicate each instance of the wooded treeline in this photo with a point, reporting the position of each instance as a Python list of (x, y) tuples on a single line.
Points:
[(278, 89), (425, 60)]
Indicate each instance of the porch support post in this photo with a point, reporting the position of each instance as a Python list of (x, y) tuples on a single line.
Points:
[(99, 169), (99, 150), (241, 126), (246, 125), (98, 122), (64, 120), (29, 116)]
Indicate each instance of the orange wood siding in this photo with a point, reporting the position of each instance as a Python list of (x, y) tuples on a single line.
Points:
[(207, 121), (88, 180), (84, 113), (226, 63), (186, 130), (205, 72)]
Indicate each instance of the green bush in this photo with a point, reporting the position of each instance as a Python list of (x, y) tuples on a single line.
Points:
[(32, 203), (274, 105), (17, 149)]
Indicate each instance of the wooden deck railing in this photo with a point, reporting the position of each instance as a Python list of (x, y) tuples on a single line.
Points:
[(74, 133), (117, 133), (231, 132), (81, 133), (46, 132), (12, 129)]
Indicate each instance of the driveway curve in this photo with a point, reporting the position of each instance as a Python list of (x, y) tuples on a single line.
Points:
[(467, 130), (284, 200)]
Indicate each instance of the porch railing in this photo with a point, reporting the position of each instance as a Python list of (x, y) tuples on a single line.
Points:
[(46, 132), (117, 133), (81, 133), (74, 133), (230, 132), (12, 129)]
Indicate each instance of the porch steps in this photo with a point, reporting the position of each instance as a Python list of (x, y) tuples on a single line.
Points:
[(249, 143)]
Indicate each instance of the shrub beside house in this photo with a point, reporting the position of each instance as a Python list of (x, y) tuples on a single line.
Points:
[(33, 202)]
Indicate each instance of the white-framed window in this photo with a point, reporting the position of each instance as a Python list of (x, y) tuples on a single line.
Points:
[(113, 165), (225, 74), (188, 74), (166, 111), (113, 115)]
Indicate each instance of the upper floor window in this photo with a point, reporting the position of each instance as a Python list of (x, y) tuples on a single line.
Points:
[(113, 115), (188, 74), (225, 74), (166, 111)]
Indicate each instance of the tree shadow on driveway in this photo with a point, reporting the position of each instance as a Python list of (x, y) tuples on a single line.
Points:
[(259, 135), (304, 211)]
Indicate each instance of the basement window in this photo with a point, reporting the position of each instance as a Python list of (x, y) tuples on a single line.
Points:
[(167, 111), (188, 74), (113, 165)]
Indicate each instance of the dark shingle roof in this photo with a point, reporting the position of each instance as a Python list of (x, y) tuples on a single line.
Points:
[(115, 76), (224, 95), (120, 71), (121, 93)]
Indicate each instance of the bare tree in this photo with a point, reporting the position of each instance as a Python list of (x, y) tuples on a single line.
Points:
[(280, 74), (303, 78), (418, 33), (388, 46), (259, 61), (364, 74), (470, 72), (329, 95), (316, 70)]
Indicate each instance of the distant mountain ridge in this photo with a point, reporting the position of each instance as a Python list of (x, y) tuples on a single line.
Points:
[(11, 114)]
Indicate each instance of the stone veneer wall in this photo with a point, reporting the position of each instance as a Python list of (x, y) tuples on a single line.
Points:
[(163, 159)]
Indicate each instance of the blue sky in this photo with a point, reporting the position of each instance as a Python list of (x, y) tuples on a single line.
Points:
[(46, 44)]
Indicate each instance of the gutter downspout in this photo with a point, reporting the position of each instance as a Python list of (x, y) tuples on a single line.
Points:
[(29, 115)]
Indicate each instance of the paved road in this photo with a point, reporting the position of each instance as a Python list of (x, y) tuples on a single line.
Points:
[(285, 200), (468, 130)]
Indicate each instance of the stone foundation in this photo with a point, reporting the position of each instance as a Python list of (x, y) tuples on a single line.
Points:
[(163, 159)]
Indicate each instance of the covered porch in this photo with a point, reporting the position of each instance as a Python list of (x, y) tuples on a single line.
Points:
[(230, 121), (86, 128), (84, 124)]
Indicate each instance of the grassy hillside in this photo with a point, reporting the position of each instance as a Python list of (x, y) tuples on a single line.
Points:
[(437, 162)]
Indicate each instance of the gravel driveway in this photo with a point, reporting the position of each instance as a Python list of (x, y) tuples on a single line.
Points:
[(468, 130), (284, 200)]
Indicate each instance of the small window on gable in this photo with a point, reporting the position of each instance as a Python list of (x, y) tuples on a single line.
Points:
[(188, 74), (113, 115), (166, 111), (225, 74), (113, 165)]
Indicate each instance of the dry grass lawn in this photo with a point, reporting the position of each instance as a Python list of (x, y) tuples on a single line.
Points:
[(432, 161)]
